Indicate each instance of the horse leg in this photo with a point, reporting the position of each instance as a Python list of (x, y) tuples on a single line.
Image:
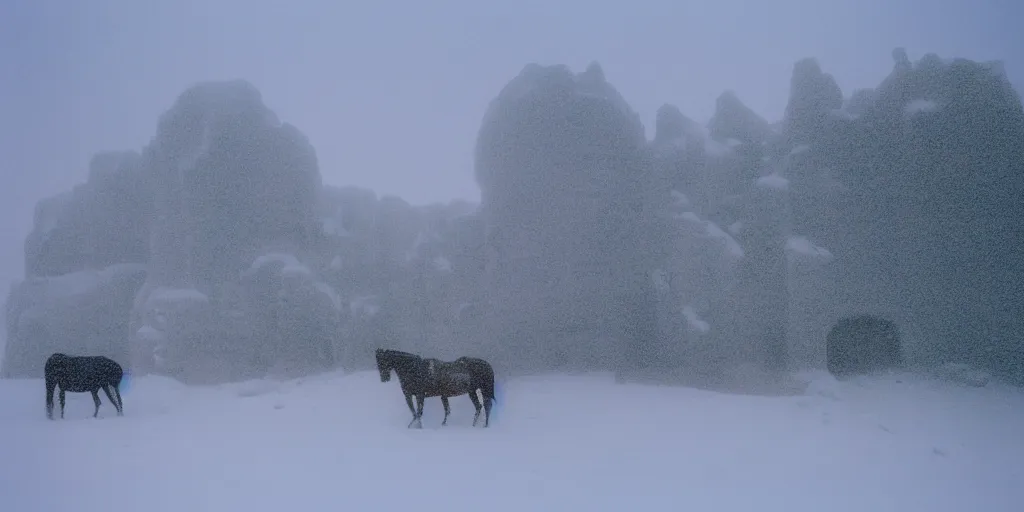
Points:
[(61, 403), (106, 389), (96, 400), (412, 409), (476, 405), (419, 412), (120, 404), (488, 402), (51, 386), (447, 410)]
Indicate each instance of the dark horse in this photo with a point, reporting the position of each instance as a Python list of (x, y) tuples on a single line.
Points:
[(78, 374), (426, 377)]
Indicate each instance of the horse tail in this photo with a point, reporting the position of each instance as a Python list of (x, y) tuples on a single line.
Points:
[(50, 371), (116, 375), (125, 381), (483, 374), (489, 383), (51, 385)]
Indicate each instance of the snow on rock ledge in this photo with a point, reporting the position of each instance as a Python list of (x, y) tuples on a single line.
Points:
[(694, 321), (83, 282), (799, 247), (329, 292), (773, 181), (712, 231), (680, 200), (290, 267), (364, 307), (920, 106), (442, 264)]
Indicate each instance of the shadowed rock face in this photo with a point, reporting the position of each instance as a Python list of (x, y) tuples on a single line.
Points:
[(679, 155), (734, 120), (670, 124), (559, 160), (813, 96)]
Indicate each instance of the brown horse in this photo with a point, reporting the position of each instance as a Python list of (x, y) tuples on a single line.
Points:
[(422, 378)]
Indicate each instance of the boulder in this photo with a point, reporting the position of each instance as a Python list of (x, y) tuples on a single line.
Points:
[(863, 344)]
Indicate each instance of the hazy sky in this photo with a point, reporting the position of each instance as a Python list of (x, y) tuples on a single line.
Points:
[(391, 93)]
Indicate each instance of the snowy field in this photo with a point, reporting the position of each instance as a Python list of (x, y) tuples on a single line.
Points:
[(334, 442)]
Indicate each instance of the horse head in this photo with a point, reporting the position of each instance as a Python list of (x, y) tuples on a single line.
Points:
[(383, 365)]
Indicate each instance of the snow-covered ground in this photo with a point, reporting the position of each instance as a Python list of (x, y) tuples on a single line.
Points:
[(558, 443)]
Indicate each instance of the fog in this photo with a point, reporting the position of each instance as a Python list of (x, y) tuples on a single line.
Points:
[(217, 191)]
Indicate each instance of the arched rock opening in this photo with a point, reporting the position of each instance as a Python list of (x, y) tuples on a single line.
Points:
[(863, 344)]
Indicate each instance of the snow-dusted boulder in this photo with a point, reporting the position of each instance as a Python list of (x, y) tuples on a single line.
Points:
[(168, 328), (863, 344), (278, 316), (84, 312), (300, 316)]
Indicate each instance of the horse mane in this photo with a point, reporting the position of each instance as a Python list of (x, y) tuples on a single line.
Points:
[(399, 353)]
